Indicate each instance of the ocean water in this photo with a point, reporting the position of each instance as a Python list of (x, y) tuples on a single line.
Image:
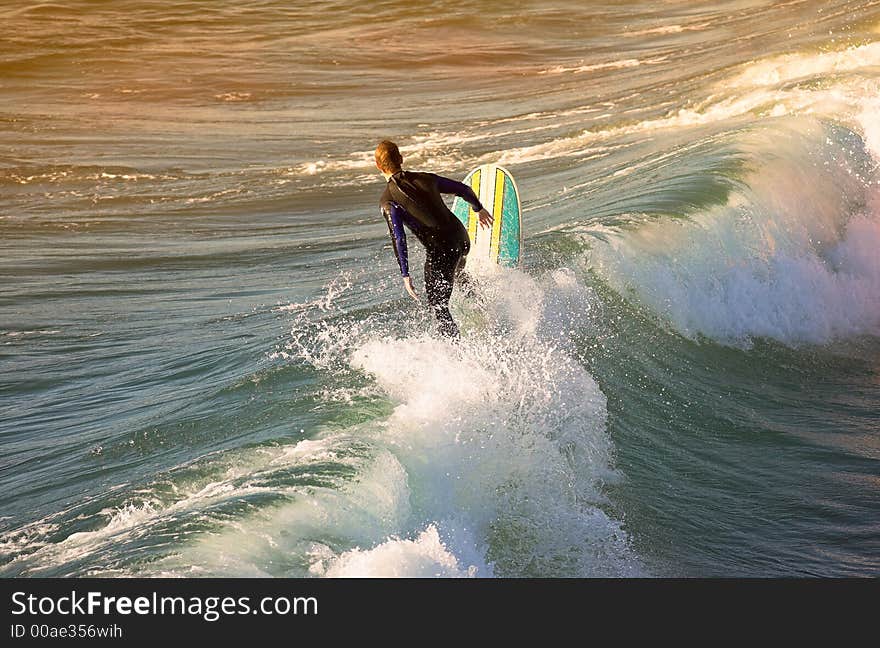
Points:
[(209, 367)]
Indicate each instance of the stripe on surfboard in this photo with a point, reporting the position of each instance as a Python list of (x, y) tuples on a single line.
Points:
[(497, 213), (472, 215), (487, 189)]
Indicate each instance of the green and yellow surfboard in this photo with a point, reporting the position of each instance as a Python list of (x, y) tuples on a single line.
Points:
[(502, 243)]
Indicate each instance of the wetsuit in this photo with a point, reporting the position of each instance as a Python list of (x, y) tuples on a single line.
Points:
[(413, 200)]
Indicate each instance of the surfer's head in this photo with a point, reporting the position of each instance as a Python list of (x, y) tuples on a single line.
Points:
[(388, 157)]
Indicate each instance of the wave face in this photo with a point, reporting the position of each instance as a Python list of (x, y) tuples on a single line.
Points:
[(212, 370), (788, 256)]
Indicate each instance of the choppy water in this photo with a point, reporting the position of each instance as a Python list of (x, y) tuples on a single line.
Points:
[(209, 366)]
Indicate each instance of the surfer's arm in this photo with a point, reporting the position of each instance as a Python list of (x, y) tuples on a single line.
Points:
[(450, 186), (394, 219)]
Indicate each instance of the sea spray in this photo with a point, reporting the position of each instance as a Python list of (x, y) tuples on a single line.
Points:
[(502, 436)]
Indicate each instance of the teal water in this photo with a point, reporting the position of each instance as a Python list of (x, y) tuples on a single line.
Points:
[(209, 366)]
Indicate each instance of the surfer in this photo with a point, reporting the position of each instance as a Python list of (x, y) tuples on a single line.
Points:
[(413, 199)]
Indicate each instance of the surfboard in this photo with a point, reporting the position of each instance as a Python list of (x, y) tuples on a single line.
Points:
[(502, 243)]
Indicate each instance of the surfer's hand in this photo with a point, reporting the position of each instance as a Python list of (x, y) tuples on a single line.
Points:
[(485, 218), (407, 283)]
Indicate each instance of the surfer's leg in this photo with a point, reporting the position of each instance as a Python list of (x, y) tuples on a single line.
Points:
[(466, 282), (464, 279), (469, 287), (439, 275)]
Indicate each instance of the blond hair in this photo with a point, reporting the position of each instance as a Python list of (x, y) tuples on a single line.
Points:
[(388, 157)]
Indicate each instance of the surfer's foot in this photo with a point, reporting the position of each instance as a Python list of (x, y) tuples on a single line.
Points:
[(466, 284), (470, 290), (446, 326)]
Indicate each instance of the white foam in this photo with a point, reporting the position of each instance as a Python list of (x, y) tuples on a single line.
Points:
[(759, 87), (784, 69), (275, 541), (433, 149), (424, 557), (233, 96), (504, 438), (869, 121), (607, 65), (30, 333), (790, 256)]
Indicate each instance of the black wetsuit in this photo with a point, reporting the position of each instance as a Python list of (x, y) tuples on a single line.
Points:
[(413, 199)]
